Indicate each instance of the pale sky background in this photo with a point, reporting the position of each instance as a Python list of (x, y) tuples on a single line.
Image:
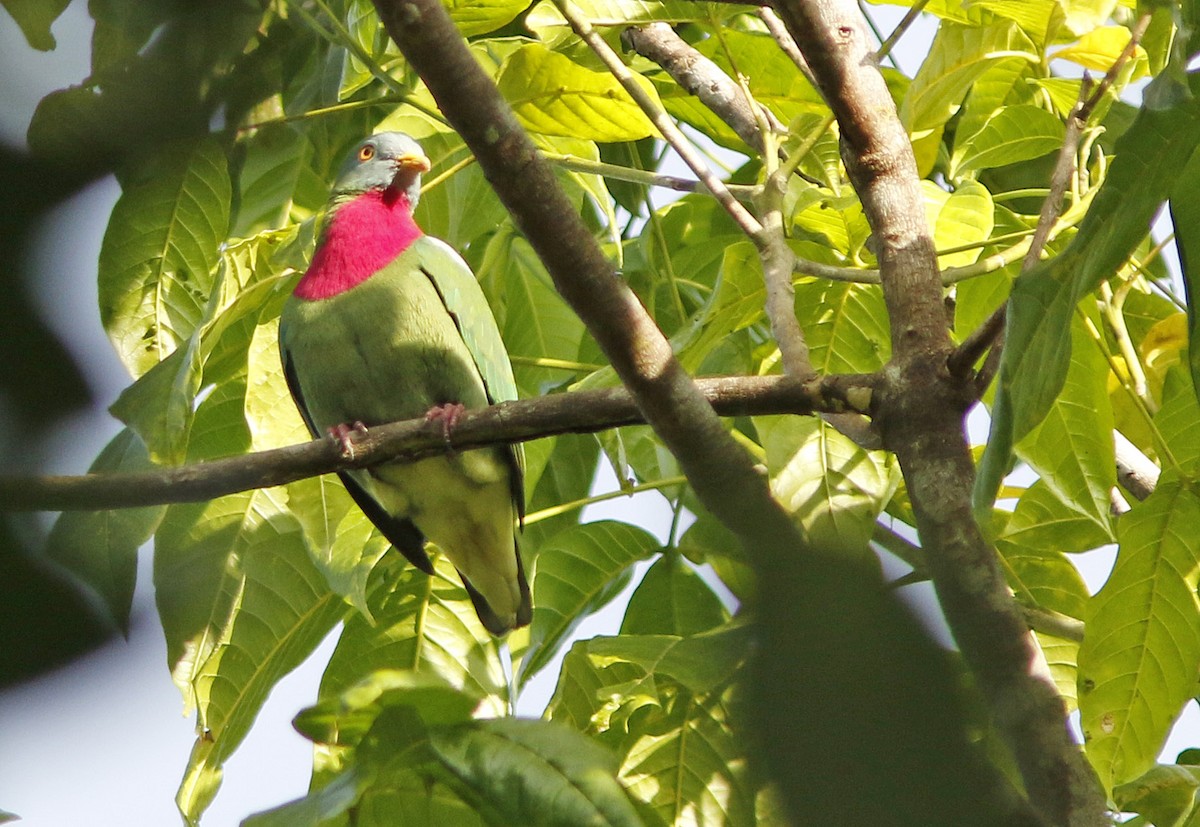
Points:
[(102, 742)]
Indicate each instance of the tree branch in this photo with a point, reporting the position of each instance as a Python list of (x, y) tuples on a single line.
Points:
[(661, 120), (920, 411), (580, 412), (699, 76)]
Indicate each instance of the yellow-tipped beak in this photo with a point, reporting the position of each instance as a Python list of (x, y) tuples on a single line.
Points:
[(413, 161)]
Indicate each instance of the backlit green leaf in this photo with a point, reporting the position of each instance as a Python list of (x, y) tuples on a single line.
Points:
[(160, 252), (553, 95), (1137, 665)]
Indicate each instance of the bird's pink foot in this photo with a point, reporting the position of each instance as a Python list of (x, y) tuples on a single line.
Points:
[(342, 434), (448, 414)]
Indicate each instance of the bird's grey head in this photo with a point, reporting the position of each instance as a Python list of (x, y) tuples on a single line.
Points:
[(387, 161)]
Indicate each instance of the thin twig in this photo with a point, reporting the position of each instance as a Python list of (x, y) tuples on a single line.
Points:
[(639, 176)]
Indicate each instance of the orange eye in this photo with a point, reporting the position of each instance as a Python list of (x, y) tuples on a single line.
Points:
[(366, 153)]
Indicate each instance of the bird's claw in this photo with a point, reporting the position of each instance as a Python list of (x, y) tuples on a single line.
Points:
[(342, 434), (448, 414)]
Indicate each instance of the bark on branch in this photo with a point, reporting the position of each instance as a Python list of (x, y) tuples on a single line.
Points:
[(581, 412), (920, 412)]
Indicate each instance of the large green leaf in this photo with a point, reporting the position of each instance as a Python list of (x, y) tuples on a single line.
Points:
[(1045, 522), (553, 95), (1137, 665), (672, 599), (367, 784), (959, 219), (267, 177), (1038, 348), (100, 547), (624, 12), (1013, 134), (161, 404), (958, 56), (482, 16), (845, 325), (34, 17), (534, 772), (534, 320), (575, 573), (1071, 448), (421, 623), (832, 488), (160, 252), (663, 701), (1185, 218), (242, 606)]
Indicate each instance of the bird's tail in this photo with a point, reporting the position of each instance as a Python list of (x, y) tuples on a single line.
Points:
[(494, 623)]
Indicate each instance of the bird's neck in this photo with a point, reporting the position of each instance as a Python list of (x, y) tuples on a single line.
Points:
[(361, 237)]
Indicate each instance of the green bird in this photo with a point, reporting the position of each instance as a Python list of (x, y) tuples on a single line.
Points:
[(389, 324)]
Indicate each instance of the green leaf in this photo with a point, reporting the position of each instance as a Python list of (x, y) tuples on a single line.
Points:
[(832, 488), (624, 12), (1137, 665), (410, 800), (1013, 134), (1006, 83), (315, 809), (340, 539), (421, 623), (534, 772), (160, 251), (560, 471), (672, 599), (576, 573), (1037, 352), (267, 177), (346, 717), (958, 219), (1185, 218), (1166, 794), (845, 325), (273, 610), (1035, 17), (482, 16), (664, 702), (1099, 48), (553, 95), (1072, 448), (1178, 420), (534, 320), (1044, 521), (160, 405), (35, 17), (100, 547), (709, 541), (958, 56)]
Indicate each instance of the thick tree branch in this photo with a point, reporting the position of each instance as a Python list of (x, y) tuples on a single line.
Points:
[(920, 412), (581, 412)]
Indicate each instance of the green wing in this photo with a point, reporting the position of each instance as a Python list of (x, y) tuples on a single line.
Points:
[(465, 302)]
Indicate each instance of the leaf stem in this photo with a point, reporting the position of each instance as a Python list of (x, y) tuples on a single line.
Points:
[(573, 505)]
